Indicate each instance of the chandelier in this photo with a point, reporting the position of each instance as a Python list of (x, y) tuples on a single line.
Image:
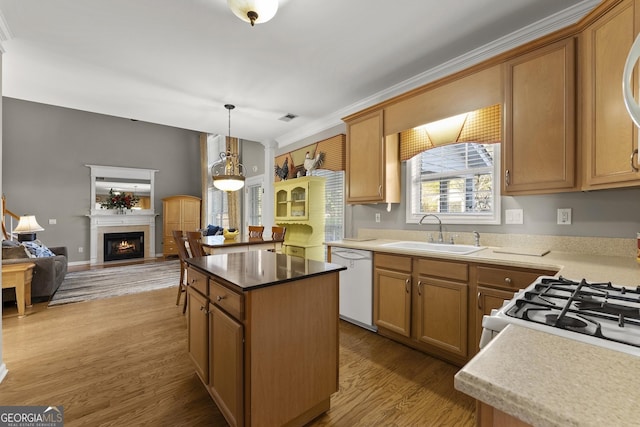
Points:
[(254, 11), (228, 174)]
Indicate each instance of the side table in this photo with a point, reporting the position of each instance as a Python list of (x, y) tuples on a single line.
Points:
[(19, 276)]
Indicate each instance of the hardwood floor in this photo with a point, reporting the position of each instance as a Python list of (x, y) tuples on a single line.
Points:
[(123, 362)]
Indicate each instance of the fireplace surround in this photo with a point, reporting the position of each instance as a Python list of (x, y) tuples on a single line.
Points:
[(105, 221)]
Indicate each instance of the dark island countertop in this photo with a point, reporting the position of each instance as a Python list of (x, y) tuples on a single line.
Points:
[(257, 269)]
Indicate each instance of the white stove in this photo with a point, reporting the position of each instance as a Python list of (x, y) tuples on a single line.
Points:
[(596, 313)]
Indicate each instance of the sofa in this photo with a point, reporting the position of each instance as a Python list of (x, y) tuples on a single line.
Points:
[(48, 274)]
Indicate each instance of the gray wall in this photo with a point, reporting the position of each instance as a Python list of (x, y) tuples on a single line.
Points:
[(46, 148), (602, 213)]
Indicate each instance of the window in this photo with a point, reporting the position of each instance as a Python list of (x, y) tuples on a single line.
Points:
[(217, 212), (253, 200), (458, 182), (334, 204)]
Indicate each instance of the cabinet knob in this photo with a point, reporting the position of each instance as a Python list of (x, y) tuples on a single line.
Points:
[(407, 285), (507, 280), (419, 287), (507, 177), (479, 300), (220, 298)]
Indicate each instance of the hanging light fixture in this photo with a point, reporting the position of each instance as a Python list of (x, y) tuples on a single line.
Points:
[(228, 174), (254, 11)]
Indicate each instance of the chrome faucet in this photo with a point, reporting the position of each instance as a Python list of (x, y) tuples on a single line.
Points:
[(476, 236), (440, 237)]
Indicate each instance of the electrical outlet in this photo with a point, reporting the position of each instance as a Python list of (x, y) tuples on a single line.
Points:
[(377, 216), (80, 249), (564, 216), (514, 216)]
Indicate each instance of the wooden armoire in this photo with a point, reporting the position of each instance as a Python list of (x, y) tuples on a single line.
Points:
[(178, 213)]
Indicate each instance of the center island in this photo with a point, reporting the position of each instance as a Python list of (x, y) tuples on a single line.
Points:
[(263, 335)]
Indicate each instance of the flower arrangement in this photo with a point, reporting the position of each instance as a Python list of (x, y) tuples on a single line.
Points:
[(120, 200)]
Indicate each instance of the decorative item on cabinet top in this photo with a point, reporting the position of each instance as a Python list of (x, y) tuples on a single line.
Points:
[(328, 153)]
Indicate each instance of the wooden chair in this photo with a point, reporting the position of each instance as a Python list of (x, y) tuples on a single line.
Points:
[(183, 254), (255, 231), (277, 233), (195, 243)]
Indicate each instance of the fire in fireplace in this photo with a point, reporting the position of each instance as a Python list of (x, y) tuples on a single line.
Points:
[(119, 246)]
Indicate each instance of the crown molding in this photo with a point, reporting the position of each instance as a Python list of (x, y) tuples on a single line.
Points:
[(515, 39)]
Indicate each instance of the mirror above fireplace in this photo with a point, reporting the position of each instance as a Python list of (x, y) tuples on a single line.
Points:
[(135, 182)]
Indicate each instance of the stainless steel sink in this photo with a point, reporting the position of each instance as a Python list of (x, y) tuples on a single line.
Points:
[(434, 247)]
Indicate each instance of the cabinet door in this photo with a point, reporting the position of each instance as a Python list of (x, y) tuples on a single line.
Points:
[(442, 314), (365, 159), (198, 333), (190, 212), (608, 132), (487, 300), (292, 201), (540, 143), (226, 365), (392, 301)]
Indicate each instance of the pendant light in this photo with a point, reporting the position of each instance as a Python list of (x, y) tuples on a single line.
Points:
[(254, 11), (228, 175)]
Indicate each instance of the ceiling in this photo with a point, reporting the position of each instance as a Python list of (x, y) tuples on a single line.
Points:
[(178, 62)]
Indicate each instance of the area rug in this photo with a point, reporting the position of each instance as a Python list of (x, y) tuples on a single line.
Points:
[(115, 281)]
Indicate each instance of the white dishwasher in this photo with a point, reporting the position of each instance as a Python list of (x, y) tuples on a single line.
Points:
[(356, 286)]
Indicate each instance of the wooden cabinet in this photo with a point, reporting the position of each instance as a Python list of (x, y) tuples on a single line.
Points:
[(225, 364), (300, 207), (422, 303), (269, 355), (539, 153), (493, 285), (178, 213), (392, 293), (198, 333), (373, 163), (441, 304), (609, 135)]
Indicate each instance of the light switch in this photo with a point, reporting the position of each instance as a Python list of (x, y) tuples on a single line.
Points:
[(53, 221)]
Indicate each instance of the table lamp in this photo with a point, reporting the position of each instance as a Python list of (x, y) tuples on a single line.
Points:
[(26, 228)]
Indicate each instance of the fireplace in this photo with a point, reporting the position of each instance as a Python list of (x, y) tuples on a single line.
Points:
[(121, 246)]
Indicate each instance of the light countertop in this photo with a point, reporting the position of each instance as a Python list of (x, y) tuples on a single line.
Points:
[(621, 271), (548, 380)]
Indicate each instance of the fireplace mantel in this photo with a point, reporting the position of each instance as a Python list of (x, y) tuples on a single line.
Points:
[(107, 221)]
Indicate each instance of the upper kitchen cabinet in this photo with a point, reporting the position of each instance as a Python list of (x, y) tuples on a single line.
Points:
[(373, 165), (539, 153), (610, 138)]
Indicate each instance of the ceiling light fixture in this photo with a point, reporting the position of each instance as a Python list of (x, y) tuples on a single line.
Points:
[(228, 175), (254, 11)]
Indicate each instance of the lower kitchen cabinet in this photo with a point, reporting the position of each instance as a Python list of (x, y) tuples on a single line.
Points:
[(436, 306), (198, 327), (488, 416), (494, 285), (225, 364), (422, 303), (268, 356), (392, 293), (442, 314)]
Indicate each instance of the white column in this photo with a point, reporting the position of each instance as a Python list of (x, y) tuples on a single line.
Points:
[(267, 199)]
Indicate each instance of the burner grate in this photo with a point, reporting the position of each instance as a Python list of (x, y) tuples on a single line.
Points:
[(597, 309)]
